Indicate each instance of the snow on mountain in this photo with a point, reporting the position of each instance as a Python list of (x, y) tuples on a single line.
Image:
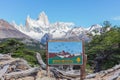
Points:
[(43, 19), (95, 29), (41, 29), (75, 32), (59, 29)]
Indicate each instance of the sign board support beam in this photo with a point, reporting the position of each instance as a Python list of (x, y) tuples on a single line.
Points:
[(47, 66), (83, 66), (82, 70)]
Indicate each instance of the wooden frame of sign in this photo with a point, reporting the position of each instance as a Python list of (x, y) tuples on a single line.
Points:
[(59, 57)]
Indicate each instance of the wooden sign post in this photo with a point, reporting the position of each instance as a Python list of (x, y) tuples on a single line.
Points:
[(82, 70), (83, 66)]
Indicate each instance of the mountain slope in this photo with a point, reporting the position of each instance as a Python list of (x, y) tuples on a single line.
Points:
[(8, 31)]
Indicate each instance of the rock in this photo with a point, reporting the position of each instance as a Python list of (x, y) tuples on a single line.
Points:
[(39, 74), (98, 77), (42, 75), (19, 79), (116, 67), (90, 76), (12, 79), (22, 67), (28, 78), (109, 70), (118, 78), (46, 78)]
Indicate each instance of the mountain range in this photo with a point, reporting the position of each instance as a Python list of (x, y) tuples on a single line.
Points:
[(41, 29), (8, 31)]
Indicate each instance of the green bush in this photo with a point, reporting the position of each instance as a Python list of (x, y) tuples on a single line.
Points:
[(19, 50)]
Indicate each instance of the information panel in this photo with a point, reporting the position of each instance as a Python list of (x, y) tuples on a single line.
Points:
[(65, 53)]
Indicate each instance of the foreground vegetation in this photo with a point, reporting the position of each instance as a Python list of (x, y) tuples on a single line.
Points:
[(104, 50), (18, 49)]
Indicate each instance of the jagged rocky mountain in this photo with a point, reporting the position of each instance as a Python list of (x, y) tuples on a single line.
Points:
[(46, 37), (42, 30), (39, 27)]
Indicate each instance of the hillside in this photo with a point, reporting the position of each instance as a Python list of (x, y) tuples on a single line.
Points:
[(8, 31)]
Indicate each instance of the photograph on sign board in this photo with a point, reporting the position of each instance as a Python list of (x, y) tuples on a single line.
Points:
[(65, 53)]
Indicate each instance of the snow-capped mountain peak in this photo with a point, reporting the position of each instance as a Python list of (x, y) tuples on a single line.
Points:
[(43, 19), (42, 30), (95, 27), (39, 27)]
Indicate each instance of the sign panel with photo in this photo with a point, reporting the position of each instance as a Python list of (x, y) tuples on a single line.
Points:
[(65, 53)]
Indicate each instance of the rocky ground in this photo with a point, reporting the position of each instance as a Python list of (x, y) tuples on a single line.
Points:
[(18, 69)]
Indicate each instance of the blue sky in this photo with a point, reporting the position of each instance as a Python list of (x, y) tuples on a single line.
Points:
[(81, 12), (71, 47)]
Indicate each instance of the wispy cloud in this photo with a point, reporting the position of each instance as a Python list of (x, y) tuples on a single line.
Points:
[(116, 18)]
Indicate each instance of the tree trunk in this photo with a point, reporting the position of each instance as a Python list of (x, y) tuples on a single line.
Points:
[(21, 73), (3, 71), (97, 66)]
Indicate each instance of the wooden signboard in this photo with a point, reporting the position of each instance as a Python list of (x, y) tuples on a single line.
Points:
[(65, 53)]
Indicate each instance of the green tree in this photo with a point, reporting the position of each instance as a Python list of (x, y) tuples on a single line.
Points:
[(106, 25), (104, 50)]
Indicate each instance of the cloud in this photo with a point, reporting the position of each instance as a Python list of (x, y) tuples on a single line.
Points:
[(116, 18)]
